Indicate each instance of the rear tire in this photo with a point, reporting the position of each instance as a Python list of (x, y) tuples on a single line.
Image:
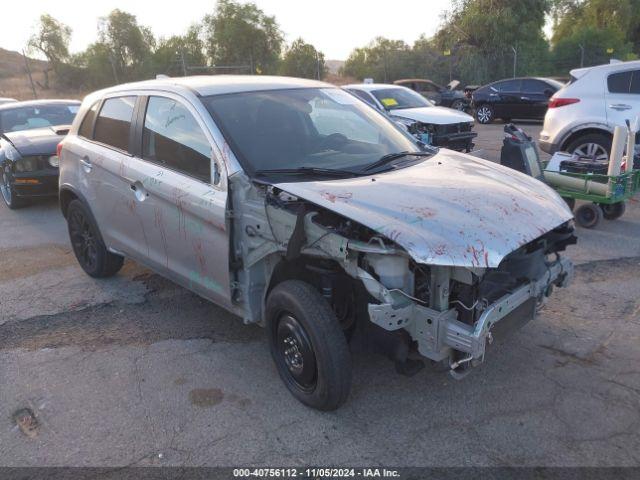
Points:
[(88, 247), (590, 144), (588, 215), (484, 114), (308, 345), (613, 211)]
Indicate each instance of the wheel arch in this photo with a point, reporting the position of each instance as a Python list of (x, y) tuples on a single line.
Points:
[(588, 130)]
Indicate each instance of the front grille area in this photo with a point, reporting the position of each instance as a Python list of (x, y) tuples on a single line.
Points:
[(453, 128)]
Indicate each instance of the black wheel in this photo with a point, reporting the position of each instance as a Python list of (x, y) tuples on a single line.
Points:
[(588, 215), (484, 114), (308, 345), (8, 193), (571, 202), (458, 105), (592, 145), (88, 247), (613, 211)]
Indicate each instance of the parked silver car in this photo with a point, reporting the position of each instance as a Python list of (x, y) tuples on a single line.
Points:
[(298, 207)]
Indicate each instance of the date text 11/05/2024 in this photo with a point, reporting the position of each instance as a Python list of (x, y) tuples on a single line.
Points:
[(315, 473)]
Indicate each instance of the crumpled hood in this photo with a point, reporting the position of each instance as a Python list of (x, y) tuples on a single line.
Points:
[(39, 141), (451, 209), (436, 115)]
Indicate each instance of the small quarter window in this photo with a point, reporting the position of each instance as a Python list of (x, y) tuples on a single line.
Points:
[(113, 125), (86, 127), (173, 138), (619, 82)]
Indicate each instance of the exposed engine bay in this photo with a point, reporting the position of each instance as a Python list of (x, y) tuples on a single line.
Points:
[(399, 305)]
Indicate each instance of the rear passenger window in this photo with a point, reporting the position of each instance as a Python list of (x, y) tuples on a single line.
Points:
[(173, 138), (114, 122), (619, 82), (86, 127)]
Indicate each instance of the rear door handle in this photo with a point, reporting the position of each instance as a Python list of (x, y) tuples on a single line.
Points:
[(525, 98), (86, 164), (620, 106)]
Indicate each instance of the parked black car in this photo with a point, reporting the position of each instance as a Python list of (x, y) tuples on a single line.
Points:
[(29, 134), (442, 96), (523, 98)]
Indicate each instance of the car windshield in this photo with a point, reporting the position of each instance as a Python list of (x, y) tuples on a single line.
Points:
[(37, 116), (395, 98), (305, 129)]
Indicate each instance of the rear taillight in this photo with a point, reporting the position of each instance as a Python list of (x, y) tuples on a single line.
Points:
[(561, 102), (59, 149)]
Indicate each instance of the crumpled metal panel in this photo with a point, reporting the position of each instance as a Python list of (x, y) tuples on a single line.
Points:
[(452, 209)]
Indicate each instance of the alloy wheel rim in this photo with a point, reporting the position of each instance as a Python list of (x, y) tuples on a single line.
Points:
[(296, 352), (6, 189), (592, 150), (484, 114), (83, 240)]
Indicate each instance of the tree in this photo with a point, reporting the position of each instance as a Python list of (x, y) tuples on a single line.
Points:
[(481, 36), (241, 34), (584, 30), (176, 54), (52, 40), (383, 59), (303, 60), (130, 45)]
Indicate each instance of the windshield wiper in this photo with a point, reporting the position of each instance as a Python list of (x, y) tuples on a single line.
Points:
[(390, 157), (328, 172)]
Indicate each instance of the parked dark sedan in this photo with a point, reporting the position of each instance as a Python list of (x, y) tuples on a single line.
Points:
[(442, 96), (523, 98), (30, 133)]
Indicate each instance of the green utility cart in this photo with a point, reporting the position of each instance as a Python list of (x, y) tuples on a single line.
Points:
[(607, 194)]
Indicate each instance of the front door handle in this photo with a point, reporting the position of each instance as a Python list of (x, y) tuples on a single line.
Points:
[(86, 164), (525, 98), (620, 106), (138, 189)]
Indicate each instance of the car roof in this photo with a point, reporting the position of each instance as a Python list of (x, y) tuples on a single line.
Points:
[(35, 103), (407, 80), (370, 87), (206, 85), (578, 72)]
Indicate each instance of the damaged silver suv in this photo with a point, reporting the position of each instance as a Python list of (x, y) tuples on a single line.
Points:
[(296, 206)]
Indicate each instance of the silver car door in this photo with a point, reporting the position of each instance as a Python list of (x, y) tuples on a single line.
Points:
[(186, 185), (105, 166)]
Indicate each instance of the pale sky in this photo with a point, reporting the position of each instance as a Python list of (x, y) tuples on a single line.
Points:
[(333, 26)]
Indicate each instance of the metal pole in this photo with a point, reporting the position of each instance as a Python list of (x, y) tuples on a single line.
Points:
[(26, 64), (113, 69), (318, 63), (515, 60), (184, 64), (581, 55)]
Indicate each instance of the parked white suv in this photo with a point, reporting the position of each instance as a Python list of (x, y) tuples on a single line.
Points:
[(582, 116)]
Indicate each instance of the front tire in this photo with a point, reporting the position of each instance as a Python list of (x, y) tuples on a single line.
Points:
[(9, 196), (87, 244), (484, 114), (308, 345), (588, 215), (458, 105)]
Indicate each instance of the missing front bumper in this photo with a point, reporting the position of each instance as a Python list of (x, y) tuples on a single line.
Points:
[(439, 333)]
